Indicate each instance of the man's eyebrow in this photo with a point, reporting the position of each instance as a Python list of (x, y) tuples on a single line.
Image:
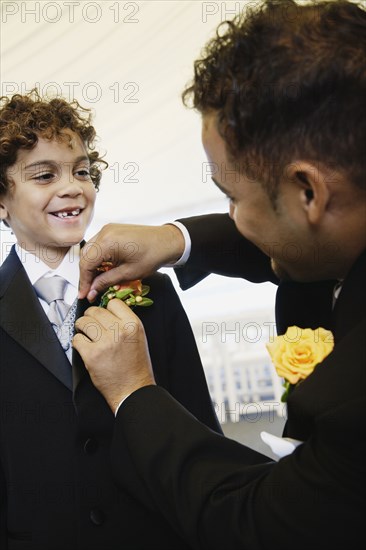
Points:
[(53, 162), (219, 186)]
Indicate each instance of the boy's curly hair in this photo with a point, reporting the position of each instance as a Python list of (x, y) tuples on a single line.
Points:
[(25, 118), (287, 81)]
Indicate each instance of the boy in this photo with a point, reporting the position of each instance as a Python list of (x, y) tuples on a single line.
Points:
[(56, 487)]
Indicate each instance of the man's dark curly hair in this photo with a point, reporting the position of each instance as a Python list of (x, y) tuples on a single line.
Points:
[(25, 118), (288, 82)]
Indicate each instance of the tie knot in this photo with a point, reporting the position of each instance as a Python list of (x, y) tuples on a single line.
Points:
[(50, 288)]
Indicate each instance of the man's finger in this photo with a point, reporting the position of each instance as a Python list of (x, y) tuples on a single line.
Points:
[(81, 343), (90, 327), (91, 256), (86, 278), (104, 280), (130, 327), (106, 319), (121, 310), (118, 318), (92, 284)]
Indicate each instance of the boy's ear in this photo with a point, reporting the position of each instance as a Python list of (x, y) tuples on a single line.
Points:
[(313, 187), (3, 210)]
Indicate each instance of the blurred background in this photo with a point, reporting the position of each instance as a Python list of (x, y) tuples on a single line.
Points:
[(129, 62)]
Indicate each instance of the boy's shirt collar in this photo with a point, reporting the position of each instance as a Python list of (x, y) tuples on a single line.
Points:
[(36, 268)]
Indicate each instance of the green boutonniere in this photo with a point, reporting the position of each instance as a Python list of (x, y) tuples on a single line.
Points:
[(132, 293)]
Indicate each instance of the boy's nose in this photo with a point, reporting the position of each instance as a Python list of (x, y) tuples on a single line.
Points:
[(70, 186)]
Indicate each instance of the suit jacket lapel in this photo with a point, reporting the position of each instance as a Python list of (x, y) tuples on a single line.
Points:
[(78, 368), (350, 307), (24, 319), (310, 304), (306, 305)]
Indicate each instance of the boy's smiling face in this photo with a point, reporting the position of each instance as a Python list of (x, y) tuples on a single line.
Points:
[(51, 201)]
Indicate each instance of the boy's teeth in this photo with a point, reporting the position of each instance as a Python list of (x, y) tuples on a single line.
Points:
[(68, 214)]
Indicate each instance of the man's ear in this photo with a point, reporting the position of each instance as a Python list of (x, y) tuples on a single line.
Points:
[(313, 187)]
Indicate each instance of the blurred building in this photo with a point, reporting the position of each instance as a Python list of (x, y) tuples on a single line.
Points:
[(242, 380)]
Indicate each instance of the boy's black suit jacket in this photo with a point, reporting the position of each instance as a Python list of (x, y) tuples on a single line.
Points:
[(220, 494), (57, 490)]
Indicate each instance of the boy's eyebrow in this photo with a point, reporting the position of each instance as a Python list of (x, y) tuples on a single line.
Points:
[(53, 162)]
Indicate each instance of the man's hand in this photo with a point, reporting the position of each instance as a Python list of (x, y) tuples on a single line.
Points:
[(136, 251), (113, 346)]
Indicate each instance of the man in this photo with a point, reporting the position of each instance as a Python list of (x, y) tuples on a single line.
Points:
[(281, 93)]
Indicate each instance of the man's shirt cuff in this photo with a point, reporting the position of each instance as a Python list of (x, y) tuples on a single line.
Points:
[(119, 404), (187, 246)]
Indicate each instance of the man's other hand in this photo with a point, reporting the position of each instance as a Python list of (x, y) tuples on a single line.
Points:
[(113, 346)]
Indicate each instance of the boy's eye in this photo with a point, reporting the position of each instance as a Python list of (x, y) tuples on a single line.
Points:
[(47, 176), (83, 173)]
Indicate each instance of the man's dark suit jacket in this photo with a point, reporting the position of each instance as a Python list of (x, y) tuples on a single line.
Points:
[(220, 494), (57, 490)]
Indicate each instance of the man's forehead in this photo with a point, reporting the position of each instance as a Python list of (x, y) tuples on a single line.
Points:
[(212, 141)]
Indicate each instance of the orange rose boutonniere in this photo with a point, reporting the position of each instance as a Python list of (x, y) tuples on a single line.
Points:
[(296, 353), (133, 293)]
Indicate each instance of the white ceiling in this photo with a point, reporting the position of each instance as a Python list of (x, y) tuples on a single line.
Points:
[(129, 62)]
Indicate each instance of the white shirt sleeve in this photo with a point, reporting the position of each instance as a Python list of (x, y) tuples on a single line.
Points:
[(119, 404), (187, 249)]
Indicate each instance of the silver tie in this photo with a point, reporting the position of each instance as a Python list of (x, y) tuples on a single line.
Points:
[(52, 290)]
